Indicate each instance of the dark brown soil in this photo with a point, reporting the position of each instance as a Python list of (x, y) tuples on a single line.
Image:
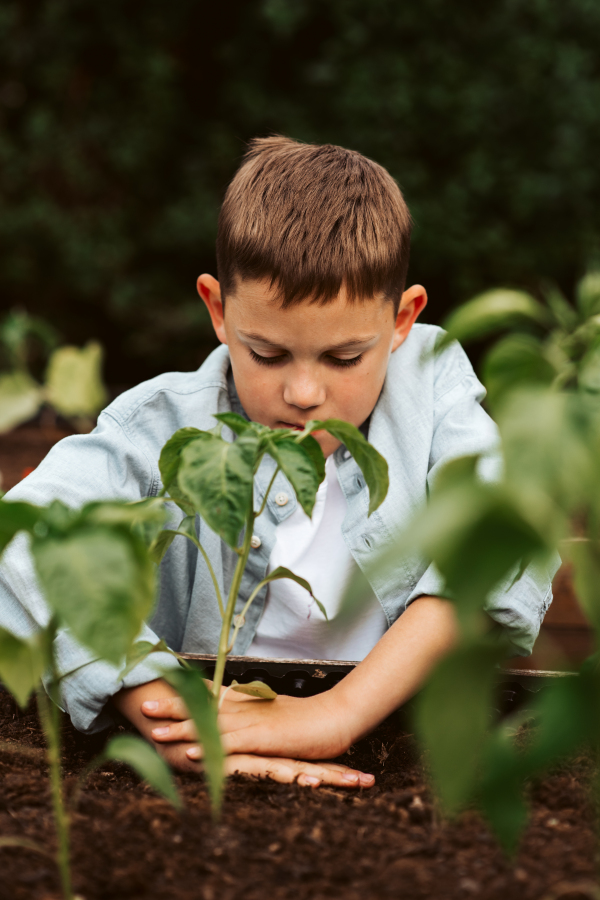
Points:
[(282, 841)]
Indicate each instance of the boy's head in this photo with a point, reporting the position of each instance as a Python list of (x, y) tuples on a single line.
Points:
[(312, 255)]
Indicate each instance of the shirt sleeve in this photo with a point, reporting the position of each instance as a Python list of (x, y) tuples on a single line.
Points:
[(102, 465), (462, 427)]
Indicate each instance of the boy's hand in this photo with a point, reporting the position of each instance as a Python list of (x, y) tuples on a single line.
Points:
[(311, 727), (286, 771), (175, 749), (325, 726)]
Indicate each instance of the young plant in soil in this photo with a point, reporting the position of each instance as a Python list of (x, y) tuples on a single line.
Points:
[(207, 475), (72, 384), (98, 581), (543, 381)]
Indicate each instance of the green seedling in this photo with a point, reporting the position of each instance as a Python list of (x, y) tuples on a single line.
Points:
[(96, 575), (72, 386), (543, 381), (206, 475)]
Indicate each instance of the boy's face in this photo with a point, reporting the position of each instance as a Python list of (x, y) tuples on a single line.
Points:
[(308, 361)]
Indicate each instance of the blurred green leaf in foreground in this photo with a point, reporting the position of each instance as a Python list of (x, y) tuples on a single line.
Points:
[(543, 382)]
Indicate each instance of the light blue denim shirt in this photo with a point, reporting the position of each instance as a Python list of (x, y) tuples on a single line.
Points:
[(428, 413)]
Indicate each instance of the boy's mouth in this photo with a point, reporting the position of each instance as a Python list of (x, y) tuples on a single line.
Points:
[(293, 425)]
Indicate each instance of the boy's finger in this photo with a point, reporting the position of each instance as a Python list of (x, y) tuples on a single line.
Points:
[(166, 708), (178, 731), (290, 770)]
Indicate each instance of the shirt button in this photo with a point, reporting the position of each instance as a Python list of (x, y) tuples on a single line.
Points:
[(281, 499), (255, 541), (347, 454)]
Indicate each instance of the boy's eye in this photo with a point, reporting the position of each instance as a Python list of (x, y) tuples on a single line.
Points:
[(345, 363), (273, 360), (265, 360)]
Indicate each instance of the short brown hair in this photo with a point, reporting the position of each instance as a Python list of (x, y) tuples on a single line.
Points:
[(312, 218)]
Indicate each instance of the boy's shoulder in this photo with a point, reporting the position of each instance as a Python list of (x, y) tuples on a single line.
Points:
[(417, 364), (175, 399)]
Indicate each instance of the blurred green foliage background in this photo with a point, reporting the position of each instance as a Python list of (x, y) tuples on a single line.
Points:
[(121, 123)]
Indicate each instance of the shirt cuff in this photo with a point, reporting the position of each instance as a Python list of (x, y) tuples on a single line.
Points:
[(85, 693)]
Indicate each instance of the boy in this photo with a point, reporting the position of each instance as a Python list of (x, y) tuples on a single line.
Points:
[(315, 322)]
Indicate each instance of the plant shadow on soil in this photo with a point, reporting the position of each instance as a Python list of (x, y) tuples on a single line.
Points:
[(283, 841)]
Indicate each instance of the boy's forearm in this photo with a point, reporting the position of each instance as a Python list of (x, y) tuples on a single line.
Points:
[(399, 663), (324, 726)]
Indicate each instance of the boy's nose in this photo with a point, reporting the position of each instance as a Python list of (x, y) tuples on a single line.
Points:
[(304, 393)]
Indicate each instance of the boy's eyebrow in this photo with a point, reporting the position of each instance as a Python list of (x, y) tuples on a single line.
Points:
[(344, 345)]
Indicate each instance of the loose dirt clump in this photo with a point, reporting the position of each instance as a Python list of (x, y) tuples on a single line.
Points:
[(284, 842)]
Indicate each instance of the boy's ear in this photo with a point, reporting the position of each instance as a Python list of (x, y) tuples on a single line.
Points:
[(412, 304), (210, 291)]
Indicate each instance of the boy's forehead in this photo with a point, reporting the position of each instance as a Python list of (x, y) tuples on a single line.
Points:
[(257, 317)]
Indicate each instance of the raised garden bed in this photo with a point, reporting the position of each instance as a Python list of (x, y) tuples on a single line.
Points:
[(282, 841)]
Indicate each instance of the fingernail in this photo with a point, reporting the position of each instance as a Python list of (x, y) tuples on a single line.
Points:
[(366, 779), (193, 753), (164, 730), (310, 779), (150, 705), (352, 777)]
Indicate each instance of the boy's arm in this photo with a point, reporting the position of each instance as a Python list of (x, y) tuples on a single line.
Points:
[(325, 726), (129, 702)]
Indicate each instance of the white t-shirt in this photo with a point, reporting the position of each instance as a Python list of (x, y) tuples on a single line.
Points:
[(292, 626)]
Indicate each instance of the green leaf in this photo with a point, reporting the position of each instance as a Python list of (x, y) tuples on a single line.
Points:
[(491, 311), (564, 314), (20, 399), (218, 478), (100, 581), (566, 718), (16, 330), (191, 687), (551, 443), (282, 572), (515, 361), (486, 540), (74, 384), (501, 794), (588, 295), (139, 652), (144, 517), (15, 517), (151, 511), (313, 448), (234, 421), (254, 689), (161, 544), (566, 714), (22, 664), (298, 466), (369, 460), (170, 455), (589, 373), (586, 559), (26, 844), (452, 718), (476, 533), (138, 754)]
